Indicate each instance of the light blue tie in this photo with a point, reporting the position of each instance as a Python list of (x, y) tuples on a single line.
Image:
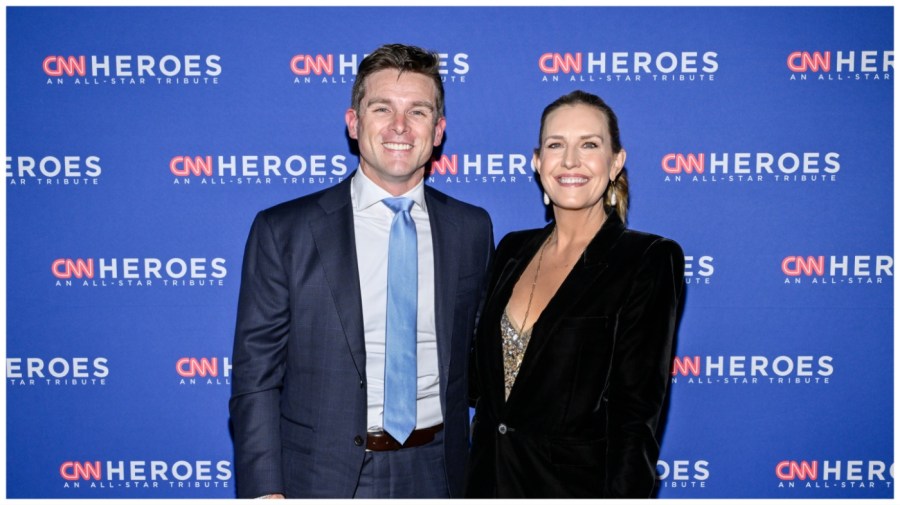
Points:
[(400, 332)]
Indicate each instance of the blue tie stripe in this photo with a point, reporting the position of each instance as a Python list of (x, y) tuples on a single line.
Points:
[(400, 332)]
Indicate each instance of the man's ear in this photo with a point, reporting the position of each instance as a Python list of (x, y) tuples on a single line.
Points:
[(439, 131), (352, 120)]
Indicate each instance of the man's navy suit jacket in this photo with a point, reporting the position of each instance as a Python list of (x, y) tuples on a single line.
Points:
[(298, 404)]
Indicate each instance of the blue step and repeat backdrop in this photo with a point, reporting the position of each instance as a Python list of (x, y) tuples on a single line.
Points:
[(142, 141)]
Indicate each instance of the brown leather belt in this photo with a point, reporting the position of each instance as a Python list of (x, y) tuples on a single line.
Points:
[(381, 441)]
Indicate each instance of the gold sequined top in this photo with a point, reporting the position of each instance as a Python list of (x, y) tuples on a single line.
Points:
[(514, 345)]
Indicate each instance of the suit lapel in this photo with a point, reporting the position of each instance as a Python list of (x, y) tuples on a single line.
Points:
[(444, 233), (335, 242)]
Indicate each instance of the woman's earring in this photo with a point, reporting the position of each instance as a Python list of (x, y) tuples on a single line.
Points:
[(612, 198), (546, 199)]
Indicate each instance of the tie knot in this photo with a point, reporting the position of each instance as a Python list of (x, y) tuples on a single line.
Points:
[(399, 203)]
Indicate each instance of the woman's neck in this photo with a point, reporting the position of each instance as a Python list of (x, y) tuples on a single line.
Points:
[(575, 229)]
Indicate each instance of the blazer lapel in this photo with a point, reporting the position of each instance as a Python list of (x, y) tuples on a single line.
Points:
[(446, 271), (581, 278), (511, 271), (583, 274), (335, 242), (514, 266)]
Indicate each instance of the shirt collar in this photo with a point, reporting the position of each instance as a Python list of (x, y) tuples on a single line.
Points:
[(366, 193)]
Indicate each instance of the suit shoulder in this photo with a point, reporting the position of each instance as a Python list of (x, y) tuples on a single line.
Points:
[(453, 202), (460, 208), (302, 207), (294, 204)]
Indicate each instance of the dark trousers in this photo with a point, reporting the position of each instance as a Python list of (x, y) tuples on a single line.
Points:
[(417, 472)]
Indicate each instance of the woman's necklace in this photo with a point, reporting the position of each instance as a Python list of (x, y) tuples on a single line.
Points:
[(537, 271)]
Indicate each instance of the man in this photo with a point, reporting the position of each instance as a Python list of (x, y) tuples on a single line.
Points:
[(317, 377)]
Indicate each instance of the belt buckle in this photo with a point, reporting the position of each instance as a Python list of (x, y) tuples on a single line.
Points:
[(380, 440)]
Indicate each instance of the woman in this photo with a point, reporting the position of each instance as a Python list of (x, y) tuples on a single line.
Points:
[(591, 307)]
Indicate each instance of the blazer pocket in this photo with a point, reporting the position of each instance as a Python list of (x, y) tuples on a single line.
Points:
[(586, 344)]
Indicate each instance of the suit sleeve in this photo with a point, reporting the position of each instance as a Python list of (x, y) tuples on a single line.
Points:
[(640, 370), (258, 363)]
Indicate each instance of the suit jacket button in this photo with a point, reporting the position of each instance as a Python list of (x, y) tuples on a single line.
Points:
[(502, 429), (358, 441)]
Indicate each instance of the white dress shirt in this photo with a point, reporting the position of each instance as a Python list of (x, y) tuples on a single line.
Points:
[(372, 223)]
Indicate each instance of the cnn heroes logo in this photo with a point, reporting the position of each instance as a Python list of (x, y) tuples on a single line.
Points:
[(845, 270), (835, 474), (341, 68), (482, 168), (850, 66), (58, 371), (779, 370), (142, 474), (750, 167), (214, 371), (53, 170), (138, 272), (255, 170), (664, 66), (132, 70)]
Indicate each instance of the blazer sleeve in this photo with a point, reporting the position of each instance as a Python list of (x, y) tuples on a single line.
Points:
[(640, 370), (258, 364)]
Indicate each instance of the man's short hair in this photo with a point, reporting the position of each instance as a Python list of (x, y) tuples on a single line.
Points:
[(405, 59)]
